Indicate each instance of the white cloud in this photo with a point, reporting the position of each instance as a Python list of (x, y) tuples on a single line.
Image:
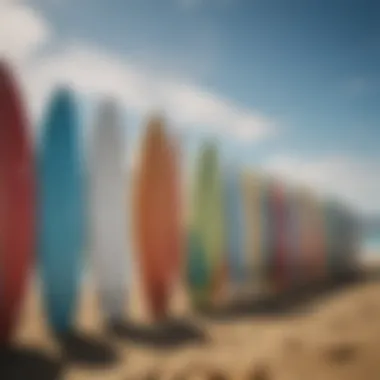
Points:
[(354, 180), (90, 71), (196, 106), (22, 30)]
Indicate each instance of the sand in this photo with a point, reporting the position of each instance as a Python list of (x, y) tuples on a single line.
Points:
[(333, 336)]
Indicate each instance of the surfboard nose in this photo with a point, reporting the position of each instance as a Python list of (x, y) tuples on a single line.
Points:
[(62, 98), (61, 118)]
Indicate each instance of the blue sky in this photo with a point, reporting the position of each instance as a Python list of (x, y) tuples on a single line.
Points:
[(311, 65), (308, 70)]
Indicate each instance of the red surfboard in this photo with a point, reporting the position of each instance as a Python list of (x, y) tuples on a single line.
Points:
[(157, 218), (16, 203)]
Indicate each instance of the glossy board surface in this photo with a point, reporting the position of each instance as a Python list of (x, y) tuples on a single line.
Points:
[(157, 216), (109, 210), (62, 210), (17, 203)]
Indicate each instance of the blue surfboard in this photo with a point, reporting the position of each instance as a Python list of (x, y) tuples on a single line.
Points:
[(61, 210)]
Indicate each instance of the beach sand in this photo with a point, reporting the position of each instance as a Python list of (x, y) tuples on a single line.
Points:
[(334, 335)]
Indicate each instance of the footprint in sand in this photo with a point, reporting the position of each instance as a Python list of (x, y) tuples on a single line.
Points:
[(260, 372), (341, 353)]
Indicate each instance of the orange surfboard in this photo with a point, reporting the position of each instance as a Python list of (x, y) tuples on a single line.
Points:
[(157, 216)]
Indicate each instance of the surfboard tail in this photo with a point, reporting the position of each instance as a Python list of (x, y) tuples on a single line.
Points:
[(158, 299), (60, 308)]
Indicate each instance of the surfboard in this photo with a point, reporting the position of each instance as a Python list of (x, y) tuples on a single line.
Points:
[(346, 236), (280, 237), (61, 210), (305, 261), (293, 231), (328, 227), (157, 216), (108, 210), (320, 239), (252, 199), (267, 234), (309, 235), (332, 216), (353, 240), (235, 231), (17, 203), (206, 257), (315, 229)]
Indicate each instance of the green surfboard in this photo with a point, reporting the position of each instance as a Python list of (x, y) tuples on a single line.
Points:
[(206, 230)]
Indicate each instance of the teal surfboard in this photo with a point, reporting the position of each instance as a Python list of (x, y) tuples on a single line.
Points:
[(61, 210)]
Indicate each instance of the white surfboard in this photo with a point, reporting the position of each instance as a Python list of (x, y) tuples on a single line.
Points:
[(108, 210)]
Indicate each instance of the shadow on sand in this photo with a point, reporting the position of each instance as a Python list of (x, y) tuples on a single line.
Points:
[(287, 303), (28, 363), (168, 334), (81, 349)]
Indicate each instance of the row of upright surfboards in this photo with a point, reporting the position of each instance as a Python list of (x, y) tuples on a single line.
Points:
[(242, 230)]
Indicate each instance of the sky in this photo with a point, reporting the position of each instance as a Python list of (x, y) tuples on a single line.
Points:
[(288, 87)]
